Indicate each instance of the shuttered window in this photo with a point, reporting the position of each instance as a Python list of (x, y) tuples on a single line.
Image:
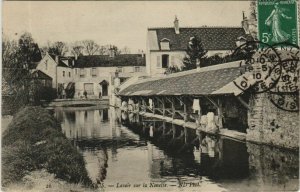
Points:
[(94, 72), (158, 64), (82, 72)]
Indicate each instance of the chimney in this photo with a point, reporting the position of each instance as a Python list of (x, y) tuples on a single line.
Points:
[(142, 54), (111, 51), (56, 58), (176, 25), (244, 15)]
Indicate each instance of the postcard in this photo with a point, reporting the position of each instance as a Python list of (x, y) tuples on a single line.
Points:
[(150, 96)]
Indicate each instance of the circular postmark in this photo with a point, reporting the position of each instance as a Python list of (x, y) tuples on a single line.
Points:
[(270, 69), (288, 102), (260, 64)]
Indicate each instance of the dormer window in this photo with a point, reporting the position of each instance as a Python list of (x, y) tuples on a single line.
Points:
[(240, 41), (165, 44)]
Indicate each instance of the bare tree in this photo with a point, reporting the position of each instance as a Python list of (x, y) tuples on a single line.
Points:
[(58, 48), (103, 50), (90, 47), (125, 50), (77, 49)]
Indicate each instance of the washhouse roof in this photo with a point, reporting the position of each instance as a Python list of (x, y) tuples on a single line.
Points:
[(217, 81)]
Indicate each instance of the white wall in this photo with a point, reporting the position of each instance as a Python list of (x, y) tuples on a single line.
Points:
[(102, 73), (64, 79), (175, 58), (48, 66)]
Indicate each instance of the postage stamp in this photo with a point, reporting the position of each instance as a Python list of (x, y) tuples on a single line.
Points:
[(277, 21)]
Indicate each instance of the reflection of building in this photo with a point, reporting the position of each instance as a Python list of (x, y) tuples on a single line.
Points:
[(85, 123), (167, 46)]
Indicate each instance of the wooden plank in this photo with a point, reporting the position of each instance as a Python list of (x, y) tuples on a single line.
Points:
[(212, 101), (244, 103)]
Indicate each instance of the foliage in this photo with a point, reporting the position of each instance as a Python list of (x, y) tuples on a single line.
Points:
[(41, 92), (34, 141), (195, 52), (18, 57)]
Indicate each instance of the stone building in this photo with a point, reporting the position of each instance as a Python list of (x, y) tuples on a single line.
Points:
[(95, 73)]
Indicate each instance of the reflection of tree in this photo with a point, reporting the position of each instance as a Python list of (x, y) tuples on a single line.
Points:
[(102, 159)]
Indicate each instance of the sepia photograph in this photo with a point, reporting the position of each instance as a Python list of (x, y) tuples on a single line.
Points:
[(189, 96)]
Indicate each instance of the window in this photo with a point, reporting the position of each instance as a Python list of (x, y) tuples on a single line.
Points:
[(69, 74), (165, 61), (94, 72), (137, 69), (46, 64), (165, 44), (64, 73), (82, 72)]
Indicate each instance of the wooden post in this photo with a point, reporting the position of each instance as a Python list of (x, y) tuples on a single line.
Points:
[(164, 127), (163, 106), (220, 113), (174, 131), (185, 135), (173, 108), (139, 105), (185, 110)]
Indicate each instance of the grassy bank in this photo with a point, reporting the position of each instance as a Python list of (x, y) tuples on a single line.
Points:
[(34, 141)]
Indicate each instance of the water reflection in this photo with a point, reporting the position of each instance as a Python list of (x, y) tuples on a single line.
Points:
[(121, 147)]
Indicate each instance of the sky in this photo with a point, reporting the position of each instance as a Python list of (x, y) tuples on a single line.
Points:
[(121, 23)]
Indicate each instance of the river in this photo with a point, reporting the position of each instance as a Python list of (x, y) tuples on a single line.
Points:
[(131, 154)]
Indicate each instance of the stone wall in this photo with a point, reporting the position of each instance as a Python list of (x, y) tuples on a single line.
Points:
[(274, 169), (270, 125)]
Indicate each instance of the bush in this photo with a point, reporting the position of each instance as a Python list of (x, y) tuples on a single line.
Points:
[(44, 93), (34, 141)]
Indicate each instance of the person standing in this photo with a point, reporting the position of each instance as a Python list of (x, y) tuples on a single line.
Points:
[(85, 94)]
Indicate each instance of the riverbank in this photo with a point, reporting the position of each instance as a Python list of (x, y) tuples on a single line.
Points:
[(33, 141), (77, 102)]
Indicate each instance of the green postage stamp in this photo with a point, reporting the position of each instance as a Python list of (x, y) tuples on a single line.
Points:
[(277, 21)]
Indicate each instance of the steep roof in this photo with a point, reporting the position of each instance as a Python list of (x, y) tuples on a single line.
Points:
[(213, 38), (106, 61), (40, 75), (206, 82), (60, 58)]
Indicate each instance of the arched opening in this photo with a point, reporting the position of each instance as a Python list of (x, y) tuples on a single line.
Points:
[(104, 84)]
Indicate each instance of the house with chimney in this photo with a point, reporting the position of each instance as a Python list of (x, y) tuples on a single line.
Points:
[(57, 68), (94, 74), (166, 46)]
